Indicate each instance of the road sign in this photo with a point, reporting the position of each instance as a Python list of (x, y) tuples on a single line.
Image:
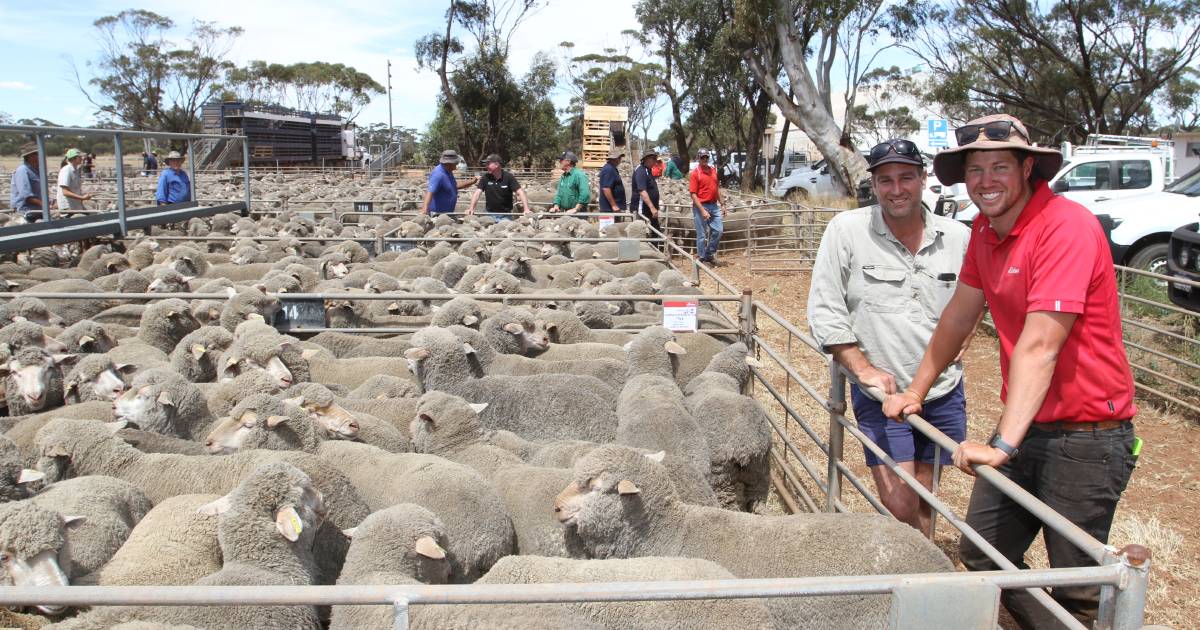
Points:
[(938, 133)]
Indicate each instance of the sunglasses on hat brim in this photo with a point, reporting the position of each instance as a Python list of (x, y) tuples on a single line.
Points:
[(901, 147), (996, 130)]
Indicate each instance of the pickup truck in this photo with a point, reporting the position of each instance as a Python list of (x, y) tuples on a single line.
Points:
[(1183, 261), (1142, 224)]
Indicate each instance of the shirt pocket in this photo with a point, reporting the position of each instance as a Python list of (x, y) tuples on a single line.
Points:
[(936, 294), (884, 288)]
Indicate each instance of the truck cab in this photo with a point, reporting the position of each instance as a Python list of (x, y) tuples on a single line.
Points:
[(1093, 178)]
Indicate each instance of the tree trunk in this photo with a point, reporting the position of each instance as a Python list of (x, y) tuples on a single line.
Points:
[(464, 138), (759, 110), (777, 169)]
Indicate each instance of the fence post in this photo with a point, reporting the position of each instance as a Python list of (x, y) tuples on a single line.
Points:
[(246, 170), (191, 158), (746, 319), (1124, 607), (44, 181), (121, 183), (400, 612), (837, 434)]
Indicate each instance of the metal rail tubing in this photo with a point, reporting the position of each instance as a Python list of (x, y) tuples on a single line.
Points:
[(369, 595), (790, 477), (1159, 331), (1158, 276), (790, 371), (1166, 307), (1168, 397), (1172, 379), (1162, 355), (497, 297), (132, 133)]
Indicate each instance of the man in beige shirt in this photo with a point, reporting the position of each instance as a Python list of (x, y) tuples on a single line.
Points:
[(882, 276)]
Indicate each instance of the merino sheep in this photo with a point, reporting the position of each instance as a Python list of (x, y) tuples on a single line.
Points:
[(736, 427), (261, 421), (197, 355), (489, 361), (383, 386), (402, 544), (162, 401), (35, 540), (33, 379), (171, 545), (335, 422), (622, 505), (87, 337), (475, 517), (548, 406)]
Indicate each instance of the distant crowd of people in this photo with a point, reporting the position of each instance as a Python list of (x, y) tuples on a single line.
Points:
[(25, 199), (500, 189)]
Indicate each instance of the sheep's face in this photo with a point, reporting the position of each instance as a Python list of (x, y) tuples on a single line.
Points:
[(275, 368), (340, 314), (170, 283), (440, 422), (186, 264), (333, 419), (334, 269), (107, 384), (514, 264), (97, 341), (144, 407), (233, 434), (30, 374), (44, 557), (529, 336)]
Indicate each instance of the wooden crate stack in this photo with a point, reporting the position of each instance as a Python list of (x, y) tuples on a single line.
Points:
[(597, 134)]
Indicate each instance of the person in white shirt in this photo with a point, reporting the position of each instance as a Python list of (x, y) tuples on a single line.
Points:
[(70, 183)]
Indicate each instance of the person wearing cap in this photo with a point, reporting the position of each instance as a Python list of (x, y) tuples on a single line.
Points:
[(881, 277), (612, 189), (174, 186), (706, 208), (673, 166), (1041, 264), (644, 189), (573, 192), (24, 185), (498, 187), (442, 194), (70, 183)]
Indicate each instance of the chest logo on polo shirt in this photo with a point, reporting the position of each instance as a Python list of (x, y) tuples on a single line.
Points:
[(1014, 270)]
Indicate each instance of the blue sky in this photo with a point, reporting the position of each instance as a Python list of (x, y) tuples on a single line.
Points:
[(39, 41)]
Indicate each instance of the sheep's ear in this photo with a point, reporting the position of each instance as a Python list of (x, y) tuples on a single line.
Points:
[(288, 523), (74, 520), (513, 328), (297, 401), (428, 547), (628, 346), (85, 339), (29, 475), (275, 421), (613, 308), (198, 351), (751, 361), (69, 387), (220, 506), (255, 317), (657, 457), (230, 292), (469, 320), (64, 359), (468, 348), (393, 307), (115, 426), (478, 407), (308, 353), (349, 533), (165, 399), (627, 487), (416, 354), (56, 450), (125, 368), (674, 348)]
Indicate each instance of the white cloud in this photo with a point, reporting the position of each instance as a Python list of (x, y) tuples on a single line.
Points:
[(15, 85)]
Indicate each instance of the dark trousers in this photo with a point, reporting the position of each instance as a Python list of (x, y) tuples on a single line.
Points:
[(652, 220), (1080, 475)]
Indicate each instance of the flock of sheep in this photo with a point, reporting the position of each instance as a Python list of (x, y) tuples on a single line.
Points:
[(540, 439)]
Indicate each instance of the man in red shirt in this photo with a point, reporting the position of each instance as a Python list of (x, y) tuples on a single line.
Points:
[(1042, 265), (706, 209)]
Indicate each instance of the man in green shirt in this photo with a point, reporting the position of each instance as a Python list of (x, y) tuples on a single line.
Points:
[(573, 193), (672, 169)]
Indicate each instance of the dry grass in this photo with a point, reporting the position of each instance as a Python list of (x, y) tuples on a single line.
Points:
[(1157, 510)]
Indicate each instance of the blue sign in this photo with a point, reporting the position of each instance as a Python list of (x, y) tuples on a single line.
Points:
[(938, 132)]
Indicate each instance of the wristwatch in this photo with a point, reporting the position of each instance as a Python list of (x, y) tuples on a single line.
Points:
[(998, 443)]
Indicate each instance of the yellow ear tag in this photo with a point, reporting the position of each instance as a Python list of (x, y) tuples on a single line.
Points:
[(295, 522)]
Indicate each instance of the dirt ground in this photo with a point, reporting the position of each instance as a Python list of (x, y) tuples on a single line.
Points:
[(1159, 508)]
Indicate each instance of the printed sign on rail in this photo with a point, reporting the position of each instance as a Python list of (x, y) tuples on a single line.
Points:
[(680, 316), (606, 221)]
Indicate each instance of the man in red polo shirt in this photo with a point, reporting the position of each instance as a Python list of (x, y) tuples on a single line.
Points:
[(1041, 264), (706, 209)]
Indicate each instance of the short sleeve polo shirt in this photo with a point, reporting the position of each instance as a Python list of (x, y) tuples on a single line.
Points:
[(498, 191), (444, 188), (1056, 259), (703, 184)]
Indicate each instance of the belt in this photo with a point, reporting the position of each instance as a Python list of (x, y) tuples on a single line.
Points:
[(1062, 425)]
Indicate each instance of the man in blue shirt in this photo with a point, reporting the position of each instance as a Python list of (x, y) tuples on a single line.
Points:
[(442, 194), (643, 199), (612, 189), (173, 185), (24, 195)]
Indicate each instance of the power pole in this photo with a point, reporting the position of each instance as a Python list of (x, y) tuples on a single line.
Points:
[(391, 131)]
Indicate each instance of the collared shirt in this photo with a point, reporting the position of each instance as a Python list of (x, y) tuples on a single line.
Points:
[(68, 177), (25, 184), (173, 186), (573, 189), (1056, 259), (444, 188), (498, 191), (672, 169), (867, 288), (643, 179), (703, 183), (611, 178)]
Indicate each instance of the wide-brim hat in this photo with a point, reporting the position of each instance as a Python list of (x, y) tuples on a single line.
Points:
[(616, 153), (646, 154), (174, 155), (74, 153), (27, 149), (949, 166), (449, 156)]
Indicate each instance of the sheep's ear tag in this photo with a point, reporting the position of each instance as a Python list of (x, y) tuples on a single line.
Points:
[(674, 348), (468, 348), (220, 506), (478, 407), (627, 487), (198, 351), (28, 475), (274, 421), (429, 548), (658, 457), (288, 522), (113, 427), (165, 399)]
